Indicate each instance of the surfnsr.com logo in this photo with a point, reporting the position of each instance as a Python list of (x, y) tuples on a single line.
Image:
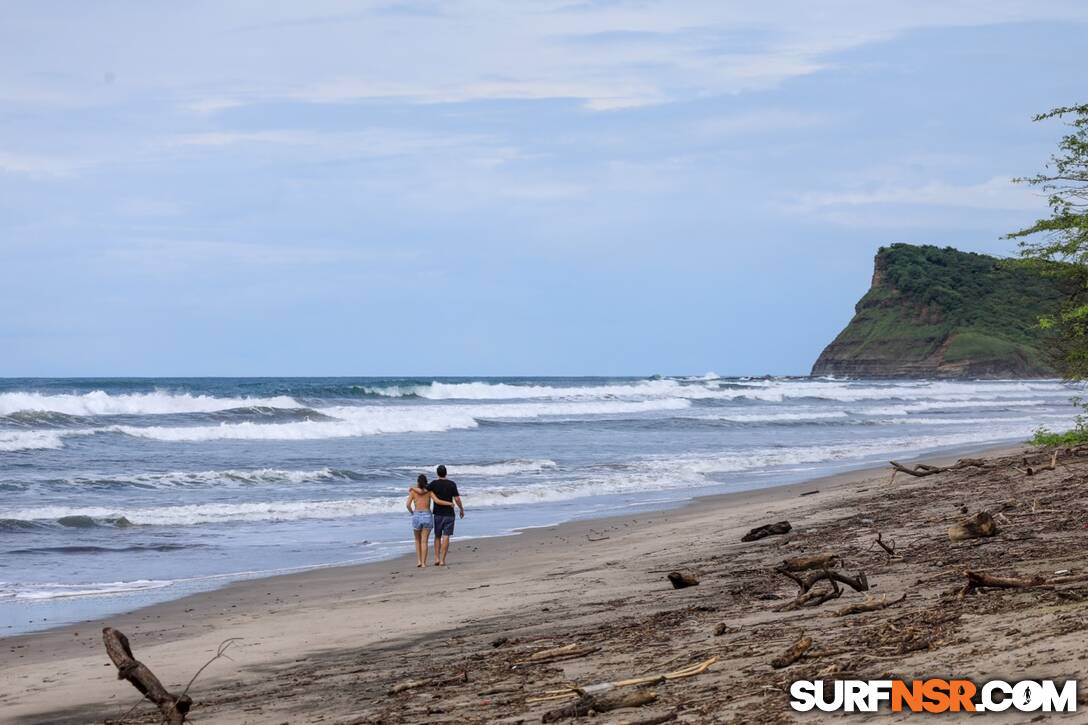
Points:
[(933, 696)]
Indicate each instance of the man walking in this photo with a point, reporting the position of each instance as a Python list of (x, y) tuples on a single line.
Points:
[(446, 490)]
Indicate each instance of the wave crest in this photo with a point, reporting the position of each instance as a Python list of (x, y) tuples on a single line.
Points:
[(99, 402)]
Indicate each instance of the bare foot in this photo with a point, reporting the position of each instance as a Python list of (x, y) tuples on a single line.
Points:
[(418, 565)]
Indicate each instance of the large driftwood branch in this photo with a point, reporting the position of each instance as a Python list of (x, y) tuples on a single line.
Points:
[(979, 580), (859, 583), (599, 703), (813, 598), (921, 469), (173, 707)]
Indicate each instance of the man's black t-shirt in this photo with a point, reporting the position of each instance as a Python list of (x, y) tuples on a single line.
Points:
[(445, 489)]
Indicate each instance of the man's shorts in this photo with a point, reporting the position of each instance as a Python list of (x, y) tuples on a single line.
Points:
[(443, 525), (422, 520)]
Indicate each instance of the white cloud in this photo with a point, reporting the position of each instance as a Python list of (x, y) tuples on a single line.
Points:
[(997, 193), (38, 166), (602, 55)]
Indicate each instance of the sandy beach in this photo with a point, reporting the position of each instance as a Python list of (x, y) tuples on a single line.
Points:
[(329, 645)]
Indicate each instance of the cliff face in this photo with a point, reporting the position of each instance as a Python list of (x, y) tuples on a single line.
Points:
[(933, 312)]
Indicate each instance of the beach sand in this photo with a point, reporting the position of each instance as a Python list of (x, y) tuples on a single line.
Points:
[(328, 645)]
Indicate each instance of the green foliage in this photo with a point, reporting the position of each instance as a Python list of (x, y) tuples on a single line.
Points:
[(973, 293), (1059, 244), (1077, 435), (962, 307), (1074, 437)]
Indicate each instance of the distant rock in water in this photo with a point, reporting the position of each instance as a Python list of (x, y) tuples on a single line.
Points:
[(943, 313)]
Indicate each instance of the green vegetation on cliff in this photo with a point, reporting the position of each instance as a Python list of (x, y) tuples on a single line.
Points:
[(941, 312)]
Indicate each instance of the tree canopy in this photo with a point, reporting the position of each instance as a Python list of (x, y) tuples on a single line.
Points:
[(1059, 243)]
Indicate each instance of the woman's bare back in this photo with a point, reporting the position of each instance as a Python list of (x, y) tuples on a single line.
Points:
[(421, 500)]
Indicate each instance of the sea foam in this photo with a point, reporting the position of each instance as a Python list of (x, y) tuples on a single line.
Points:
[(98, 402)]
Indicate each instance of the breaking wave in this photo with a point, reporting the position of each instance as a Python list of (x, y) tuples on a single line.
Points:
[(29, 440), (354, 421), (99, 402)]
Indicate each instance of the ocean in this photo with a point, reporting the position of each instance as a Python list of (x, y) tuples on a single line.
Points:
[(118, 493)]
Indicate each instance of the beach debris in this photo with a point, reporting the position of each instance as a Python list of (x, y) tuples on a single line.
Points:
[(696, 668), (720, 628), (760, 532), (682, 580), (811, 561), (500, 641), (650, 720), (406, 685), (869, 605), (922, 469), (978, 526), (889, 548), (812, 598), (173, 707), (859, 583), (795, 652), (809, 493), (566, 652), (979, 580), (599, 703), (459, 679), (1031, 471)]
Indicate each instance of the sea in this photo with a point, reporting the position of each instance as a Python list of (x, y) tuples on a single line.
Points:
[(118, 493)]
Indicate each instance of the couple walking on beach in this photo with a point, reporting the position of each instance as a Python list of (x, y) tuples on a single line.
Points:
[(443, 493)]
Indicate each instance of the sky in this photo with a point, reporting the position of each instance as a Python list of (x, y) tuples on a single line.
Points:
[(546, 187)]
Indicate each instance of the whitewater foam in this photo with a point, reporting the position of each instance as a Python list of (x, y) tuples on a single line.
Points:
[(99, 402), (56, 590), (504, 468), (29, 440), (373, 420)]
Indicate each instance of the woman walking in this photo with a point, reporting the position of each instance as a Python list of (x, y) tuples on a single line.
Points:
[(419, 505)]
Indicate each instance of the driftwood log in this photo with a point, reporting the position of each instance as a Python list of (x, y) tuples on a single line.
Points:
[(681, 580), (811, 561), (775, 529), (173, 707), (795, 652), (979, 580), (921, 469), (978, 526), (599, 703), (869, 605), (859, 583), (1031, 470), (813, 598)]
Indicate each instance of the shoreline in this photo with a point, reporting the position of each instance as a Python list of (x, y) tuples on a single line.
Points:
[(283, 619), (675, 505), (670, 504)]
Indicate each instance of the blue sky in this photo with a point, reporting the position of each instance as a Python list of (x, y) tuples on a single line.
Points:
[(475, 188)]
